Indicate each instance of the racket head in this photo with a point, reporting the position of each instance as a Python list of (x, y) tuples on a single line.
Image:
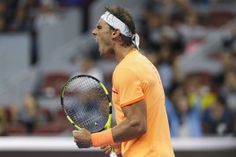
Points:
[(86, 103)]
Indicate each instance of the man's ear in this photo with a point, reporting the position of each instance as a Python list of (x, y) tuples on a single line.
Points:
[(115, 33)]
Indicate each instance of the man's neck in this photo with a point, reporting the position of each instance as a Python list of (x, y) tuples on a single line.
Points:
[(121, 51)]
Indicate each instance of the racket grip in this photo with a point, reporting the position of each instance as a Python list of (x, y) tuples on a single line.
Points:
[(113, 154), (82, 145)]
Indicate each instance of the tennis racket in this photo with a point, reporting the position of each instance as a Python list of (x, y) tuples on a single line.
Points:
[(87, 104)]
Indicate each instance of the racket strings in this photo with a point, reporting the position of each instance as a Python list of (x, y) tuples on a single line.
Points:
[(86, 103)]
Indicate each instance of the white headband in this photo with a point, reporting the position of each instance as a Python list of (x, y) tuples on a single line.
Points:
[(118, 24)]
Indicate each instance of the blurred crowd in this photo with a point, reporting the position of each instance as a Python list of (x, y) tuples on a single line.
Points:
[(25, 15), (198, 104), (28, 15)]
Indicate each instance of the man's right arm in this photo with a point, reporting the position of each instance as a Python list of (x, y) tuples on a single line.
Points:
[(134, 125)]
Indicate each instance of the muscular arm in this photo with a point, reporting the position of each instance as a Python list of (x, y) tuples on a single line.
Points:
[(134, 125)]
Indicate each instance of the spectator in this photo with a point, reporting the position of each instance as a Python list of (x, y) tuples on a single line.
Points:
[(47, 14), (87, 66), (199, 89), (13, 114), (188, 119), (3, 26), (191, 29), (28, 116), (21, 22), (3, 17), (218, 119), (25, 14), (164, 65), (3, 122), (228, 90), (172, 116)]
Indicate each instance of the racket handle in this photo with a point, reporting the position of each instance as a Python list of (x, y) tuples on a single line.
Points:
[(113, 154), (82, 145)]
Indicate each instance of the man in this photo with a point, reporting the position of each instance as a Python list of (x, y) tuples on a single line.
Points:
[(138, 97)]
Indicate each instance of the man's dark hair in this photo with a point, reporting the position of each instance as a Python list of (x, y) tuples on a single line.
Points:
[(123, 15)]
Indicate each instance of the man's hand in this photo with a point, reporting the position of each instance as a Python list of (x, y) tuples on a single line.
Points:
[(109, 148), (82, 138)]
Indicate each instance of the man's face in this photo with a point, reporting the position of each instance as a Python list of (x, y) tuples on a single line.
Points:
[(103, 36)]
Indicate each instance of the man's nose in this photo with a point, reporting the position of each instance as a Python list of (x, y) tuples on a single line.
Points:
[(94, 32)]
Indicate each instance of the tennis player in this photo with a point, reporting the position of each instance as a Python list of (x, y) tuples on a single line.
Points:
[(142, 127)]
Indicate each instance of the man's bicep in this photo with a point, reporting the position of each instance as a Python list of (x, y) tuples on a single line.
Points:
[(134, 123), (136, 111)]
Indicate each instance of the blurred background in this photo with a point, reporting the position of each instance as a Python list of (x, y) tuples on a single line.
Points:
[(191, 42)]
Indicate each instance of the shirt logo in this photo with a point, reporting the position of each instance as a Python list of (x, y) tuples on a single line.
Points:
[(114, 91)]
